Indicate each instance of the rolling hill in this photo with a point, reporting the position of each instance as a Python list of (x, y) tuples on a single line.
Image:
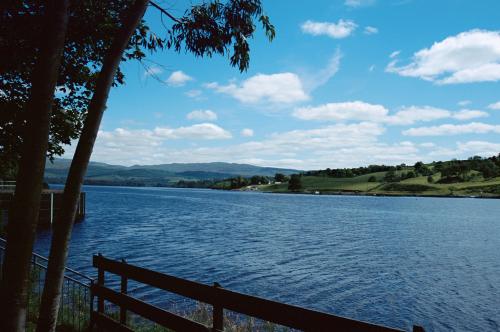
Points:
[(158, 175)]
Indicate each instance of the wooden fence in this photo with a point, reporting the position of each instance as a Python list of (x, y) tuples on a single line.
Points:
[(220, 299)]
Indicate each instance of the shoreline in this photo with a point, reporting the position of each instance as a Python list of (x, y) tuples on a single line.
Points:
[(367, 194)]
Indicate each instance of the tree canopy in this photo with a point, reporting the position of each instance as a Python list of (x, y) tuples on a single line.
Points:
[(207, 29)]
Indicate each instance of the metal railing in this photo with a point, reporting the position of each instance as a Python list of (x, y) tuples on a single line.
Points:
[(7, 185), (75, 305)]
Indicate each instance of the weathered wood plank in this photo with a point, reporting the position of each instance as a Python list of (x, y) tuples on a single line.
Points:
[(148, 311), (108, 323), (272, 311)]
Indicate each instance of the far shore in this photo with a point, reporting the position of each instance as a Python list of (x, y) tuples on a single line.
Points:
[(305, 192)]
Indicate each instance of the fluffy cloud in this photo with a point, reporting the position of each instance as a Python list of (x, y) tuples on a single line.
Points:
[(472, 56), (469, 114), (340, 145), (412, 114), (339, 30), (356, 110), (204, 131), (451, 129), (494, 106), (370, 30), (247, 132), (361, 111), (202, 115), (178, 78), (285, 88)]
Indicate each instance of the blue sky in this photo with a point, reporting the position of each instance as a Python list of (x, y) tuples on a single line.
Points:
[(345, 83)]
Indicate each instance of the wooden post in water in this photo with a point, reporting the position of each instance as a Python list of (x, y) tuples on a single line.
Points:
[(218, 315), (417, 328)]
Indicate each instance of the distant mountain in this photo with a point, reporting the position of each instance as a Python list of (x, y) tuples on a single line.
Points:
[(158, 175)]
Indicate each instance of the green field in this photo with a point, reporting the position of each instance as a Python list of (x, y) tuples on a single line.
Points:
[(413, 186)]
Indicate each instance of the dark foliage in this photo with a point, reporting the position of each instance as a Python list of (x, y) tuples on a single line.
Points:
[(460, 170), (90, 29), (213, 27), (295, 183), (351, 172), (279, 177)]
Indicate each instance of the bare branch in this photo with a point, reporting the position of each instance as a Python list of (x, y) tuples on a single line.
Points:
[(163, 11)]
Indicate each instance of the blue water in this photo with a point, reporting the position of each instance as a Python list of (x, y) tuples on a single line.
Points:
[(394, 261)]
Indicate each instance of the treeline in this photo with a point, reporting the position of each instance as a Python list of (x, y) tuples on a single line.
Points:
[(236, 182), (353, 172), (461, 170), (240, 182), (451, 171)]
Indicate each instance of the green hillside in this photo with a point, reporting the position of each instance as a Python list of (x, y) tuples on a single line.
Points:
[(473, 177)]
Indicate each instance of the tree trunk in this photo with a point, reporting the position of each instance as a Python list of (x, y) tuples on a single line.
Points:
[(26, 203), (64, 222)]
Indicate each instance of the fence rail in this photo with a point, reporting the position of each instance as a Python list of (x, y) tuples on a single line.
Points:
[(75, 305), (219, 298)]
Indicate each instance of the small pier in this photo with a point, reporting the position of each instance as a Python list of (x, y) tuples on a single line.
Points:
[(50, 203)]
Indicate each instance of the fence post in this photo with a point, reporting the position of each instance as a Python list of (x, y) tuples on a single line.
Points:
[(100, 282), (91, 306), (417, 328), (123, 289), (218, 315), (51, 208)]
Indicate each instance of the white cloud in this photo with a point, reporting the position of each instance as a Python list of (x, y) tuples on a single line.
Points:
[(362, 111), (494, 106), (339, 30), (412, 114), (202, 115), (178, 78), (356, 110), (315, 80), (193, 93), (152, 71), (358, 3), (472, 56), (469, 114), (479, 148), (285, 88), (204, 131), (394, 54), (369, 30), (247, 132), (464, 103), (337, 145), (451, 129)]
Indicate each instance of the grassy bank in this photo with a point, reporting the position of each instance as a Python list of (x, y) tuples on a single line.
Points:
[(417, 186)]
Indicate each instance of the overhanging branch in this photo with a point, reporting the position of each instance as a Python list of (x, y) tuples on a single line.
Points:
[(163, 11)]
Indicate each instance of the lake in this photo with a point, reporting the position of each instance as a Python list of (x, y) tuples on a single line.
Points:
[(395, 261)]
